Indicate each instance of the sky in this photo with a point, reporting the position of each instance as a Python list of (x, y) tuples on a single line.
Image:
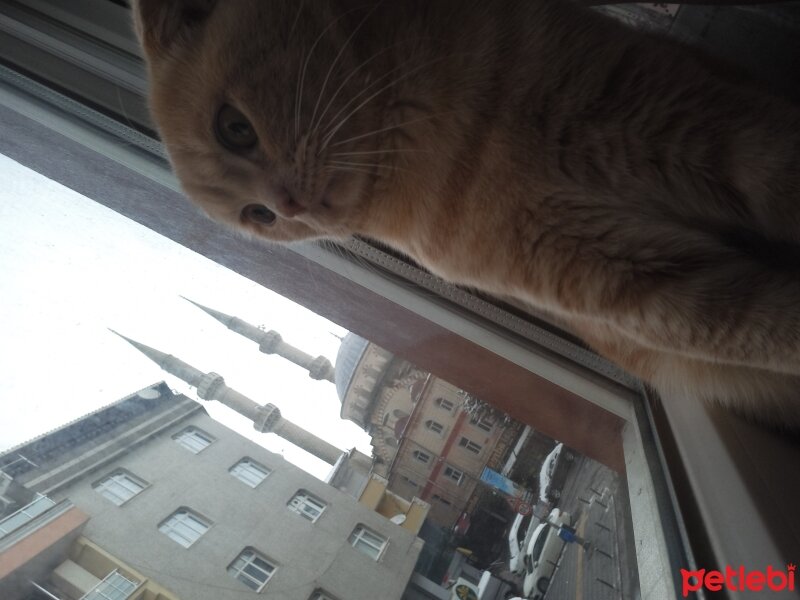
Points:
[(70, 269)]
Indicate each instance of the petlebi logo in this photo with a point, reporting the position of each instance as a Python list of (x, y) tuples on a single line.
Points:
[(741, 579)]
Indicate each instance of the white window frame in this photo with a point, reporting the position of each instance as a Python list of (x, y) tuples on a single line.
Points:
[(421, 456), (367, 541), (453, 474), (445, 404), (194, 439), (434, 426), (307, 505), (120, 486), (242, 573), (484, 423), (184, 527), (469, 445), (250, 472)]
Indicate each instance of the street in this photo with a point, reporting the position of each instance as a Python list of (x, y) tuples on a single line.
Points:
[(595, 496)]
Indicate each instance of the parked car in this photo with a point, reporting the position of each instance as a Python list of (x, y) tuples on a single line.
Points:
[(517, 537), (553, 472), (541, 555)]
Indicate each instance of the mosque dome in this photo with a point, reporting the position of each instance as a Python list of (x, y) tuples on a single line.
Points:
[(359, 373), (348, 357)]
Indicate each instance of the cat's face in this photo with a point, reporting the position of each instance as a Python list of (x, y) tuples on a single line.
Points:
[(267, 111)]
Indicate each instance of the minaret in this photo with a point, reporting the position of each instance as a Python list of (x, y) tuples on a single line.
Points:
[(266, 418), (271, 342)]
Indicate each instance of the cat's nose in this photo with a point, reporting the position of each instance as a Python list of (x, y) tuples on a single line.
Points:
[(286, 204)]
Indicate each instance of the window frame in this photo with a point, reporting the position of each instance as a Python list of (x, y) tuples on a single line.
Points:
[(249, 562), (190, 431), (101, 488), (470, 445), (452, 474), (434, 426), (360, 533), (419, 454), (181, 525), (302, 499), (680, 455), (445, 404), (255, 465)]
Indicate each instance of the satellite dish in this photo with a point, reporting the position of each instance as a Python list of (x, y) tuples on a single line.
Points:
[(398, 519)]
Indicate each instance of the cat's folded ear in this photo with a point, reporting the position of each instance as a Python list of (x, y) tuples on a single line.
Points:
[(161, 23)]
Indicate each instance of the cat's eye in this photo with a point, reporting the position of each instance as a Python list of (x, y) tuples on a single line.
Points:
[(234, 130), (258, 213)]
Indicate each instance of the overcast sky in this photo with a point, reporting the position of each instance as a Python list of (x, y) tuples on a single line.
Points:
[(71, 268)]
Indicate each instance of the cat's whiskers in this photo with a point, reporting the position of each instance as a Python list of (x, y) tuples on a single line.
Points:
[(335, 61), (301, 79), (330, 134), (389, 128), (387, 151), (388, 168), (363, 91), (336, 168)]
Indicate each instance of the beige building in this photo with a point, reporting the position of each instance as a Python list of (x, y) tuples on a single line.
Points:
[(151, 499), (425, 440)]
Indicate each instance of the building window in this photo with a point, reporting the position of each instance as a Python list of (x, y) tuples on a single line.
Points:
[(421, 456), (193, 439), (321, 595), (409, 481), (119, 487), (484, 423), (250, 472), (184, 527), (441, 500), (470, 445), (252, 569), (445, 404), (114, 586), (306, 505), (454, 474), (434, 426), (368, 542)]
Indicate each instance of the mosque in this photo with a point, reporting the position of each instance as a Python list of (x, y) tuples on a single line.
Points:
[(430, 440)]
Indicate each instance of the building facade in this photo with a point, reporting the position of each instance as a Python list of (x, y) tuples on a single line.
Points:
[(425, 440), (151, 497)]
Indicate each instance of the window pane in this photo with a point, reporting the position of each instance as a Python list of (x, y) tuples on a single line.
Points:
[(119, 487), (251, 569), (184, 527), (250, 472), (193, 439), (306, 505), (367, 542)]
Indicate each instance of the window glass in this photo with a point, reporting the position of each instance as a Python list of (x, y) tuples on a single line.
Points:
[(307, 506), (252, 569), (193, 439), (119, 487), (368, 542), (250, 472), (184, 527)]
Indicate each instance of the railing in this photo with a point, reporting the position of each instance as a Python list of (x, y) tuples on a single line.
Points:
[(114, 586), (25, 514)]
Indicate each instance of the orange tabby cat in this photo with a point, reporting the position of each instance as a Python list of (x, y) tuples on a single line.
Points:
[(528, 148)]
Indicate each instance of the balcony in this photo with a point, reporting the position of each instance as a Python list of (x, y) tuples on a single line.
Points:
[(26, 514), (114, 586)]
